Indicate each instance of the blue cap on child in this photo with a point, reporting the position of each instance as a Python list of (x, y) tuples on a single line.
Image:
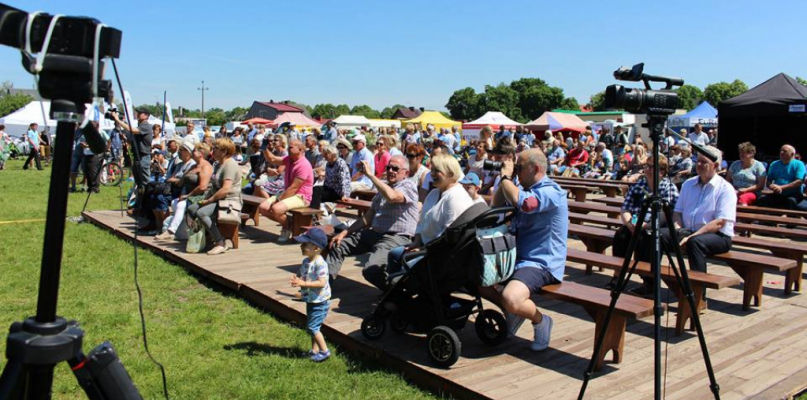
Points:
[(315, 236)]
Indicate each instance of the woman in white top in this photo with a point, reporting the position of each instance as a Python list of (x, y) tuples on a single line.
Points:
[(444, 204), (417, 171), (477, 161)]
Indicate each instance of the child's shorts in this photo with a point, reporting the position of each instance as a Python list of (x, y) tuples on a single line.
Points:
[(316, 313)]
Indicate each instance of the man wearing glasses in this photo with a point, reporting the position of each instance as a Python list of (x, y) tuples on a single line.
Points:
[(389, 223)]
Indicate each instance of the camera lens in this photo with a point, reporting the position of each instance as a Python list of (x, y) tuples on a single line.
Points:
[(490, 165)]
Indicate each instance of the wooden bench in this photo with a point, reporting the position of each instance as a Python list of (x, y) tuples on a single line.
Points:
[(578, 218), (587, 207), (772, 211), (596, 301), (609, 188), (749, 266), (610, 201), (748, 217), (359, 205), (578, 192), (250, 207), (771, 230), (230, 231), (698, 281), (301, 217), (363, 194)]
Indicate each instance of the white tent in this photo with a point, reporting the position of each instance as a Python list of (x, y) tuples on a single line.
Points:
[(17, 122), (351, 121), (494, 119)]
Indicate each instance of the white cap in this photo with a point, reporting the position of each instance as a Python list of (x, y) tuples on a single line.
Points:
[(360, 138)]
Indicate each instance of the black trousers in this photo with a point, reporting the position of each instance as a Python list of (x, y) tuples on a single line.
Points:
[(788, 202), (91, 166), (33, 155)]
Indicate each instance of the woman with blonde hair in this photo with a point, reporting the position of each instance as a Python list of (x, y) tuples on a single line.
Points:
[(486, 136)]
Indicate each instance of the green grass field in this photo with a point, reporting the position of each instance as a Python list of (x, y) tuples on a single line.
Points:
[(213, 344)]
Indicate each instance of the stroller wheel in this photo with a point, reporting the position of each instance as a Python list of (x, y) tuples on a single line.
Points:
[(373, 327), (444, 346), (491, 327), (398, 324)]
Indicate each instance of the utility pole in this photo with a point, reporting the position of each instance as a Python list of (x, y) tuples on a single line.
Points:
[(203, 89)]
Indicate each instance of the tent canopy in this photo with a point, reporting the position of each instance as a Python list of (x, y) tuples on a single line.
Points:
[(296, 118), (432, 117), (770, 98), (494, 119), (17, 122), (256, 120), (351, 121), (703, 114), (385, 123), (558, 122)]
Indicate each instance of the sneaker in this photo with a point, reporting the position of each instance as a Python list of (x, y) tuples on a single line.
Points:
[(165, 236), (217, 250), (543, 331), (285, 235), (513, 323), (321, 356)]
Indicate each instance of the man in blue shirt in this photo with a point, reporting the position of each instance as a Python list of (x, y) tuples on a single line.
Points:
[(785, 177), (360, 181), (541, 226), (556, 157)]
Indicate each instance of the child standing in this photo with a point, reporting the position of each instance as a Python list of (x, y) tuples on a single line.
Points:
[(316, 291)]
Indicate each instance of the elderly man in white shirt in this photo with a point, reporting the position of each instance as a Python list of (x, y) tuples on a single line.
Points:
[(699, 136), (705, 213)]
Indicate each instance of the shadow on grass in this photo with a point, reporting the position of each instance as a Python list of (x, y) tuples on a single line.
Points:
[(254, 349)]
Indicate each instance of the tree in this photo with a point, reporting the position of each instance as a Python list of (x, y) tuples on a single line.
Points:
[(721, 91), (690, 96), (154, 109), (215, 116), (13, 102), (597, 101), (801, 80), (388, 112), (464, 104), (236, 114), (570, 103), (342, 109), (501, 98), (365, 110)]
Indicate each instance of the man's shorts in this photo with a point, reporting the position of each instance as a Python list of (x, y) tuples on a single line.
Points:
[(534, 278), (292, 203)]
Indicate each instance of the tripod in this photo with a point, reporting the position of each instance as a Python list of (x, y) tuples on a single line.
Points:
[(655, 205)]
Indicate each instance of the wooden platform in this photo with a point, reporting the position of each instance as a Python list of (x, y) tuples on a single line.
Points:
[(755, 354)]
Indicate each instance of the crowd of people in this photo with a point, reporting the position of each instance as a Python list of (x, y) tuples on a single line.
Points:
[(424, 179)]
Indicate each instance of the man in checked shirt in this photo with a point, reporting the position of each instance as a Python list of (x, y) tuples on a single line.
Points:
[(389, 223)]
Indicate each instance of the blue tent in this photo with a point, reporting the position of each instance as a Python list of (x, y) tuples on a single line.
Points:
[(703, 114)]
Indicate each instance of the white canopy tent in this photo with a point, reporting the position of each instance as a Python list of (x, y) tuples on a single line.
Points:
[(494, 119), (17, 122), (352, 121)]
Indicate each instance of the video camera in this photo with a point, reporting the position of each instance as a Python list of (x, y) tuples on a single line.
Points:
[(647, 100)]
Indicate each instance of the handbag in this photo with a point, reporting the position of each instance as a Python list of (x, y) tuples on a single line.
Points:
[(229, 211), (196, 237), (497, 249)]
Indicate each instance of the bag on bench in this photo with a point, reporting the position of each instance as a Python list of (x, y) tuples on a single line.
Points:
[(497, 250), (230, 211)]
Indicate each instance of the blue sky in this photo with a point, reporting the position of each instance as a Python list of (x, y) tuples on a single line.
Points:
[(418, 52)]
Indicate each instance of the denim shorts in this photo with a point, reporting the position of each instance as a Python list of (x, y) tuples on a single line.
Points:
[(162, 201), (534, 278), (75, 161), (316, 313)]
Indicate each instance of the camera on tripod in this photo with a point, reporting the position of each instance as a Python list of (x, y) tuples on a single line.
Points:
[(109, 114), (647, 100)]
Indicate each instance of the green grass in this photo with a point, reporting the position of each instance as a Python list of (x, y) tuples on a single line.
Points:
[(213, 344)]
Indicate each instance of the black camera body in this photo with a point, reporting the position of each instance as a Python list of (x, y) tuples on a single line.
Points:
[(490, 165), (647, 100)]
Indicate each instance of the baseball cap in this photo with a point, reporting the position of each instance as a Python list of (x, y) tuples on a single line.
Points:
[(315, 236), (470, 179), (360, 138)]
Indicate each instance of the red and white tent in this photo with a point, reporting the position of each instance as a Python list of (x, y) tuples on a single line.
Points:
[(494, 119), (297, 119)]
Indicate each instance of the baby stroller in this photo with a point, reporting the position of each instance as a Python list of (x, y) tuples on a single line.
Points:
[(424, 297)]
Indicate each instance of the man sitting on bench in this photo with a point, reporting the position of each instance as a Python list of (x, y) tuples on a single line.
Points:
[(389, 223), (706, 210), (298, 178), (541, 226), (785, 178)]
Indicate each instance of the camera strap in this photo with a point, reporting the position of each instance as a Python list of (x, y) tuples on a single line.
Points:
[(40, 61)]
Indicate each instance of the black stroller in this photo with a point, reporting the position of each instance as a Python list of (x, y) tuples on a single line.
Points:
[(422, 296)]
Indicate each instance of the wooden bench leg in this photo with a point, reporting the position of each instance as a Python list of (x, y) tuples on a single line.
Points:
[(684, 312), (297, 222), (609, 191), (580, 195), (253, 213), (594, 246), (230, 231), (793, 275), (614, 336), (752, 285)]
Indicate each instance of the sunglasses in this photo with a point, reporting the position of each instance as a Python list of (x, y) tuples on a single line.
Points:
[(393, 168), (410, 156), (341, 147)]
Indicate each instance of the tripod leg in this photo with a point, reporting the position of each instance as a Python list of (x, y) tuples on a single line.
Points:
[(11, 379), (602, 327), (687, 288)]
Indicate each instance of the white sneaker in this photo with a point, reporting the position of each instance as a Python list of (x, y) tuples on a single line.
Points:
[(513, 323), (542, 333), (285, 235)]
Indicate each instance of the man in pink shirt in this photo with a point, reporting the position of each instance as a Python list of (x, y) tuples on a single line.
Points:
[(298, 179), (382, 157)]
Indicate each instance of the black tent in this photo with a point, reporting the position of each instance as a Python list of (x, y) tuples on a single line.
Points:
[(769, 115)]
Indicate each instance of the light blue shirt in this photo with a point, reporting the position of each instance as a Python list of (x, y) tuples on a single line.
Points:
[(700, 204), (541, 227), (362, 155), (33, 139), (556, 154), (781, 174)]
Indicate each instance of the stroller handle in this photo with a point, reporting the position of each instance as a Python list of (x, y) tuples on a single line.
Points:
[(508, 212)]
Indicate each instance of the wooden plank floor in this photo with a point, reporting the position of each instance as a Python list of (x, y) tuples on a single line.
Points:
[(755, 354)]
